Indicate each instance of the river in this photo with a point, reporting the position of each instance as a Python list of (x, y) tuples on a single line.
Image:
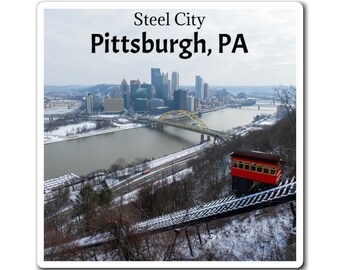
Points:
[(84, 155)]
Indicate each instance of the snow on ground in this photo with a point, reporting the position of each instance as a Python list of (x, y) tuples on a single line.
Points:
[(106, 115), (51, 184), (268, 121), (60, 181), (124, 126), (260, 235), (132, 196), (172, 157), (257, 236), (161, 161), (169, 158), (256, 125), (123, 120), (127, 198), (64, 130), (60, 134)]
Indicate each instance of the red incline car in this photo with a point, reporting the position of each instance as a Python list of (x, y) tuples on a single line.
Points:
[(249, 168)]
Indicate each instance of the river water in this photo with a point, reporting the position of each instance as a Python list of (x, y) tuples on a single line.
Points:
[(87, 154)]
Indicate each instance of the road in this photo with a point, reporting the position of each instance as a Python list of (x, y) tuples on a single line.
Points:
[(157, 173)]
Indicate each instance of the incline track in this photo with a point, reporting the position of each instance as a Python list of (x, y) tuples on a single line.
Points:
[(224, 207)]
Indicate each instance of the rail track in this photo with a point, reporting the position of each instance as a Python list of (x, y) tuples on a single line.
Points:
[(224, 207)]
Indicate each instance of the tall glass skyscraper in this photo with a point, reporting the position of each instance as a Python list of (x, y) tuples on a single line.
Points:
[(199, 87), (125, 90), (180, 99), (89, 103), (161, 82), (174, 82)]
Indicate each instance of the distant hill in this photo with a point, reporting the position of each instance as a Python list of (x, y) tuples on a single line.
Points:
[(80, 89), (54, 88), (248, 89), (105, 88), (99, 88)]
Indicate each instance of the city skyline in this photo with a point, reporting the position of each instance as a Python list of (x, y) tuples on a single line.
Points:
[(161, 95), (270, 61)]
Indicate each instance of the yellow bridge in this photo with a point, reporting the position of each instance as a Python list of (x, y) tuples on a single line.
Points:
[(172, 118)]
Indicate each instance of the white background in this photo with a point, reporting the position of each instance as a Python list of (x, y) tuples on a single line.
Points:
[(18, 134)]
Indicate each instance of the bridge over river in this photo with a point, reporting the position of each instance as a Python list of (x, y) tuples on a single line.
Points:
[(174, 118)]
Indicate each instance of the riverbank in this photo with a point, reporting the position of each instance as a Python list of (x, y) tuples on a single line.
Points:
[(61, 134), (66, 133), (98, 152)]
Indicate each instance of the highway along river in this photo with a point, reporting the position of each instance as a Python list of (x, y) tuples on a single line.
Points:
[(84, 155)]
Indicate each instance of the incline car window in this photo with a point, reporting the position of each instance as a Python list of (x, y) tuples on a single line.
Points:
[(259, 168), (246, 166), (254, 167), (265, 169), (272, 170), (235, 164)]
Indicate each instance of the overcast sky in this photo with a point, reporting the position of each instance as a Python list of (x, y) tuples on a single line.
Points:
[(270, 37)]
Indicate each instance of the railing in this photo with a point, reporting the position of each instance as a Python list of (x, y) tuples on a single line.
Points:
[(224, 207), (215, 133)]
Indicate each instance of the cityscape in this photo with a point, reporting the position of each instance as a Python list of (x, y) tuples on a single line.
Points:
[(101, 112), (161, 95), (150, 157)]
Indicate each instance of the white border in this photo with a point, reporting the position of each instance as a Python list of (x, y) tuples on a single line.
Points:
[(171, 5)]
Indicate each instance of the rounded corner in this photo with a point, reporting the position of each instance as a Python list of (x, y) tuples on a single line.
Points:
[(300, 6), (41, 5), (40, 264), (300, 263)]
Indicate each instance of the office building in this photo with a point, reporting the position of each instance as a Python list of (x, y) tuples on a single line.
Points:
[(156, 102), (199, 87), (161, 83), (190, 103), (113, 105), (134, 85), (142, 105), (169, 102), (125, 90), (155, 73), (206, 90), (174, 82), (89, 103), (151, 90), (180, 99)]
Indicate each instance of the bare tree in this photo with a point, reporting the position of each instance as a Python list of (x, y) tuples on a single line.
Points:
[(287, 96)]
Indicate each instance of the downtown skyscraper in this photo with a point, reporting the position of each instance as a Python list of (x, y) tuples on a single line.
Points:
[(199, 87), (161, 82), (180, 99), (174, 82), (89, 103), (125, 90)]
